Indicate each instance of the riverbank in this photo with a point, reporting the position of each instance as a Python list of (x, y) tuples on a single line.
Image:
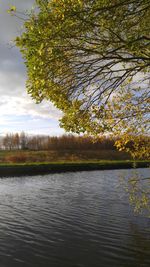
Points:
[(10, 170)]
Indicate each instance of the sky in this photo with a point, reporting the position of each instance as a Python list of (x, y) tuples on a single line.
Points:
[(18, 112)]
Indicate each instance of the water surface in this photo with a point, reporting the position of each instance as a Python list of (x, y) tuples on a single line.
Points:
[(78, 219)]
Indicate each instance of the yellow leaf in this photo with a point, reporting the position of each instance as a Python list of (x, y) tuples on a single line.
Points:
[(12, 9)]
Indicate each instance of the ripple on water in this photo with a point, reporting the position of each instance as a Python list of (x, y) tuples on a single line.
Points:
[(72, 219)]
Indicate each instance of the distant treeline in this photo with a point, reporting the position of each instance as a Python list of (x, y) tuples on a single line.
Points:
[(24, 141), (70, 142)]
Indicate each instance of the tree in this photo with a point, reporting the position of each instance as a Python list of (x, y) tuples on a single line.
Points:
[(92, 60), (23, 141), (16, 141), (8, 142)]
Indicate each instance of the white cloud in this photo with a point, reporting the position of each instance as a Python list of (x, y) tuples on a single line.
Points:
[(20, 106), (15, 101)]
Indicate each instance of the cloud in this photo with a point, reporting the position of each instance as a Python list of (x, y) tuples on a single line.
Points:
[(14, 100), (29, 125), (19, 106)]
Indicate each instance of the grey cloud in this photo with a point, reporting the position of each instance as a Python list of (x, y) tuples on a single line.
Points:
[(12, 83), (10, 59), (13, 97), (10, 26)]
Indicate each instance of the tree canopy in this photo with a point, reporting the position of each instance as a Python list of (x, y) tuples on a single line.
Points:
[(91, 58)]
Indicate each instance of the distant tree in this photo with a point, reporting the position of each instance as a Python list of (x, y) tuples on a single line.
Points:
[(8, 142), (16, 141), (23, 141)]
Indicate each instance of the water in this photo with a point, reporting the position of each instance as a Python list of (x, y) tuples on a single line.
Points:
[(71, 220)]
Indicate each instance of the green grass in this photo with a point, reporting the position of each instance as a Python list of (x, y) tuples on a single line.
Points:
[(105, 162)]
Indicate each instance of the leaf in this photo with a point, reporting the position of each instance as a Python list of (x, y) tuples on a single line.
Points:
[(11, 9)]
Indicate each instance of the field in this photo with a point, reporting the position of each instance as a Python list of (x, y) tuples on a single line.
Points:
[(28, 156)]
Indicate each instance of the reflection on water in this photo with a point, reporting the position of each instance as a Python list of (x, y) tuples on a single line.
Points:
[(137, 186), (71, 219)]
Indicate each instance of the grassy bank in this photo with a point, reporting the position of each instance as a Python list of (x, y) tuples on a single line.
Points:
[(7, 170)]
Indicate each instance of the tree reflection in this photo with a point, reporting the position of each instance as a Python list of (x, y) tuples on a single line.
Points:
[(137, 188)]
